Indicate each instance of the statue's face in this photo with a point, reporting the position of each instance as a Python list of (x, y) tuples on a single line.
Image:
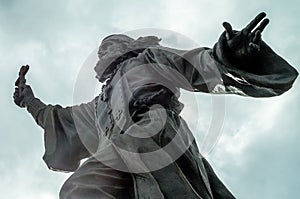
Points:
[(111, 48), (109, 51)]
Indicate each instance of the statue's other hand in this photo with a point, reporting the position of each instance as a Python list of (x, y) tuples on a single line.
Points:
[(247, 41), (23, 95)]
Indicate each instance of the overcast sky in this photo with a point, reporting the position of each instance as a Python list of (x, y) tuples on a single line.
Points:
[(257, 155)]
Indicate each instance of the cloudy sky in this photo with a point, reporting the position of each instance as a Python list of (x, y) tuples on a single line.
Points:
[(257, 155)]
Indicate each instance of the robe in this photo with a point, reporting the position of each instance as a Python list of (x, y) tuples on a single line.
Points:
[(138, 114)]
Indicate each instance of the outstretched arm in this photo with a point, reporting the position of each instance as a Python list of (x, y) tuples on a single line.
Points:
[(62, 126), (240, 63), (250, 65)]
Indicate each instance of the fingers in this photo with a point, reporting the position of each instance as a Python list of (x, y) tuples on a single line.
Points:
[(257, 37), (262, 25), (16, 93), (253, 47), (228, 28), (24, 70), (22, 73), (254, 22), (17, 82), (16, 96)]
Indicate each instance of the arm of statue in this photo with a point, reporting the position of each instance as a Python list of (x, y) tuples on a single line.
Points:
[(239, 63), (250, 67), (63, 142)]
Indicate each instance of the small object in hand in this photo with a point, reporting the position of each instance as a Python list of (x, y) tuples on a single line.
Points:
[(21, 79), (21, 83)]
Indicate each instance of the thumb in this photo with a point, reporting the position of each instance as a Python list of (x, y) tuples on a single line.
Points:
[(228, 29)]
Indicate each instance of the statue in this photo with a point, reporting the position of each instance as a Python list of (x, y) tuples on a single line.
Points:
[(119, 128)]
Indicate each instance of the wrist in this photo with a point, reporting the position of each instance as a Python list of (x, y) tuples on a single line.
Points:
[(27, 100), (34, 105)]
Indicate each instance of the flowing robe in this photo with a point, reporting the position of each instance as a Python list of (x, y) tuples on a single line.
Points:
[(101, 129)]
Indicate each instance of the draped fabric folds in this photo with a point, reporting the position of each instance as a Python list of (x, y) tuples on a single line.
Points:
[(84, 131)]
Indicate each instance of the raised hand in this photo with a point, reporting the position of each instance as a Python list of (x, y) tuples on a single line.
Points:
[(23, 93), (247, 41)]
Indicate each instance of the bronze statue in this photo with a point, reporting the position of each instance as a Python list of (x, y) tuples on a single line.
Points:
[(118, 130)]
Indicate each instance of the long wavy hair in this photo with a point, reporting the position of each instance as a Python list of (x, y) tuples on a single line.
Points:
[(125, 47)]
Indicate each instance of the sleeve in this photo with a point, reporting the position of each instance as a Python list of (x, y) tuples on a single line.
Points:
[(264, 75), (219, 190), (64, 132)]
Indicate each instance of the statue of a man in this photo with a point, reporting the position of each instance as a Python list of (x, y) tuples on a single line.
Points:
[(117, 129)]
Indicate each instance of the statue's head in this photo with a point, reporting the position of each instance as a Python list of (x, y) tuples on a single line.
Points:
[(118, 47)]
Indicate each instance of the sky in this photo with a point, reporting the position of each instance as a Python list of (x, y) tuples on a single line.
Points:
[(257, 154)]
